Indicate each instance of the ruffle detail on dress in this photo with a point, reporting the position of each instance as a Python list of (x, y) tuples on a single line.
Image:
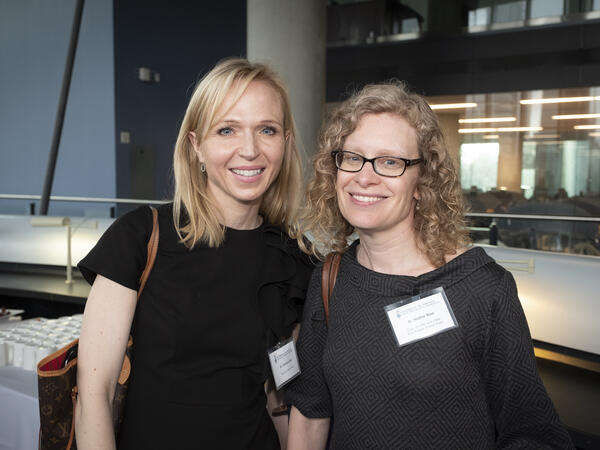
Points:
[(282, 292)]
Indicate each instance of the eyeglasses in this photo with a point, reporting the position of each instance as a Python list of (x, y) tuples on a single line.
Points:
[(386, 166)]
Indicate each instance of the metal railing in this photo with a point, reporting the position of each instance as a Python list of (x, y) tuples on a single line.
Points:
[(534, 217), (139, 201), (60, 198)]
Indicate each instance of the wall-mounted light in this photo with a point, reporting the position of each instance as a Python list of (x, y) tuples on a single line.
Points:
[(46, 221), (148, 75)]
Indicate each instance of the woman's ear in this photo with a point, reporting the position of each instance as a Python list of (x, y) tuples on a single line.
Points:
[(192, 138), (417, 194)]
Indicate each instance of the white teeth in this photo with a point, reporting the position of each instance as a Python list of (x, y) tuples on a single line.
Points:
[(365, 199), (247, 173)]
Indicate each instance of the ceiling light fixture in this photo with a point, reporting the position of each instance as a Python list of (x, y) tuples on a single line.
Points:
[(453, 105), (477, 130), (576, 116), (586, 127), (542, 136), (537, 101), (498, 130), (509, 129), (488, 119), (491, 136)]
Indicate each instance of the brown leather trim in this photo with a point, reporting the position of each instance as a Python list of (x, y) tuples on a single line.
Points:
[(328, 277), (56, 354), (125, 371), (152, 247), (279, 410), (72, 432)]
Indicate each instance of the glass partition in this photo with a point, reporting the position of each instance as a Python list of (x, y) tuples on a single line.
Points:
[(534, 153)]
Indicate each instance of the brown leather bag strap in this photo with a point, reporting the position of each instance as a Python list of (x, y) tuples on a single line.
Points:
[(152, 247), (328, 277)]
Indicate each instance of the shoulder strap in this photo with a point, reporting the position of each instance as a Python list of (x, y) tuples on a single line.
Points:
[(152, 246), (328, 277)]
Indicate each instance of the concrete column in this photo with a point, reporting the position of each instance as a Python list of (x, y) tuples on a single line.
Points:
[(290, 36), (509, 162), (449, 125)]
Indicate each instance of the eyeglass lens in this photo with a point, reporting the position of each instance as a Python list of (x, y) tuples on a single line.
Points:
[(384, 165)]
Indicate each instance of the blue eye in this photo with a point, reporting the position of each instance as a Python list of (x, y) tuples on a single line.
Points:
[(227, 131), (270, 131), (390, 162)]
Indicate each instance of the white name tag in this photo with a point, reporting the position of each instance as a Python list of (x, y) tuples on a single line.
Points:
[(284, 362), (421, 316)]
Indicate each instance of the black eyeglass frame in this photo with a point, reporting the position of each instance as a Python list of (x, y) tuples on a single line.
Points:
[(407, 162)]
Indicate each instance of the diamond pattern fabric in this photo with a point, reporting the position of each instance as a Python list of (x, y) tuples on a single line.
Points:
[(472, 387)]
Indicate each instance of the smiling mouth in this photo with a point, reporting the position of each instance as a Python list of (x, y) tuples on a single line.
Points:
[(247, 173), (366, 198)]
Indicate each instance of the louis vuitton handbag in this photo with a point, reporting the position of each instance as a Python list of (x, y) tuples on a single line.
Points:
[(57, 379)]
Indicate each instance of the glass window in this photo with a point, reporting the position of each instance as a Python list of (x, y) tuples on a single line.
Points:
[(535, 153), (480, 16), (510, 11), (479, 166), (410, 25), (546, 8)]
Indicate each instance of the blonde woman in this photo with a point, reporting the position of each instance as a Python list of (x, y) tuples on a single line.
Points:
[(426, 346), (226, 285)]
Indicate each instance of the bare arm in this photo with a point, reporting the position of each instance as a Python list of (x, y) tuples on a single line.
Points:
[(105, 329), (275, 400), (305, 433)]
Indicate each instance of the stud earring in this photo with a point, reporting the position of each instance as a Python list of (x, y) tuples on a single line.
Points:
[(202, 168), (417, 206)]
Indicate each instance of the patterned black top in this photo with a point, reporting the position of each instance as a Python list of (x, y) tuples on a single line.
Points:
[(475, 386)]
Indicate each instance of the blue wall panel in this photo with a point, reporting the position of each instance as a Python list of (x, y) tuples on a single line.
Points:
[(181, 40), (34, 38)]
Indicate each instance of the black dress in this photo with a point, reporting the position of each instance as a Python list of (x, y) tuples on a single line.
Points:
[(201, 330), (472, 387)]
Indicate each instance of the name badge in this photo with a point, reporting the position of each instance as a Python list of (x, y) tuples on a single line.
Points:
[(284, 362), (421, 316)]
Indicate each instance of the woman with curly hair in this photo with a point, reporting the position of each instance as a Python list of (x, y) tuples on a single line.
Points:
[(425, 344)]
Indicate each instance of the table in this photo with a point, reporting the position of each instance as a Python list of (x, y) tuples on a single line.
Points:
[(19, 411)]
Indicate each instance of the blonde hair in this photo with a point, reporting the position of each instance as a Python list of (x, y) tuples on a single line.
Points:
[(439, 219), (279, 203)]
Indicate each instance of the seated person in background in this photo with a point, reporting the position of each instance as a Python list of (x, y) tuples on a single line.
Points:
[(426, 344)]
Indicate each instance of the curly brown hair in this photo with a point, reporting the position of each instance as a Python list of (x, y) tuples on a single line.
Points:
[(439, 220)]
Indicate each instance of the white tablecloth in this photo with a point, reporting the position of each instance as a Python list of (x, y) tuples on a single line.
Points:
[(19, 411)]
